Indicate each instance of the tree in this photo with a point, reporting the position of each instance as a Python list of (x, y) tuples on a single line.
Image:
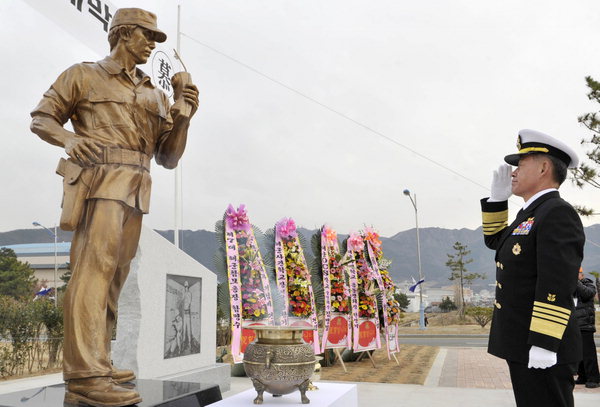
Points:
[(65, 278), (481, 315), (457, 262), (447, 305), (403, 300), (587, 172), (52, 318), (16, 278)]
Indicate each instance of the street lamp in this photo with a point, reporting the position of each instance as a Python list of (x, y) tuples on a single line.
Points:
[(53, 234), (421, 308)]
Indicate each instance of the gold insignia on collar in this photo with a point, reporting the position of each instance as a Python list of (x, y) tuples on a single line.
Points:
[(519, 142), (516, 249), (551, 297)]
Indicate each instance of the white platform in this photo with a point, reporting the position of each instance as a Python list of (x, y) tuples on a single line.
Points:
[(329, 394)]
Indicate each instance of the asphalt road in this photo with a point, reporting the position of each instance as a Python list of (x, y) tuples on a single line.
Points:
[(468, 341), (464, 341)]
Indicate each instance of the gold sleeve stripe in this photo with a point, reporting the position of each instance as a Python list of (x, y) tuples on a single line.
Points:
[(494, 222), (495, 226), (565, 311), (494, 230), (545, 327), (551, 318), (544, 311), (494, 217)]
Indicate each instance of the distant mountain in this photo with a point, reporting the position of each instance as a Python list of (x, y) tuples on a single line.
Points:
[(199, 244), (36, 235), (435, 243)]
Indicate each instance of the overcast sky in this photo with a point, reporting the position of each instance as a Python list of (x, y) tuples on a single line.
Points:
[(449, 82)]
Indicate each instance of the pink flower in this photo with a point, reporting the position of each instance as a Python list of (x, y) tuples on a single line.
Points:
[(355, 242), (286, 227), (329, 234), (372, 237), (237, 220)]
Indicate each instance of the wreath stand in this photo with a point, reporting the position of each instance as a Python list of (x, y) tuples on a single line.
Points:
[(395, 358), (338, 356), (362, 354)]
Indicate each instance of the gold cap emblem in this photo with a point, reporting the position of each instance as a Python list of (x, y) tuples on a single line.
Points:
[(519, 142)]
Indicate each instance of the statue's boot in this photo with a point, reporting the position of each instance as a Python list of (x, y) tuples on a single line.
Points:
[(121, 376), (99, 392)]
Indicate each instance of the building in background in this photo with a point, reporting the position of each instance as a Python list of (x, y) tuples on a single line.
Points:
[(40, 257), (413, 297), (437, 295)]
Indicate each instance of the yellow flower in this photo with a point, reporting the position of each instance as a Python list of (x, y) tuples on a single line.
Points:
[(257, 313)]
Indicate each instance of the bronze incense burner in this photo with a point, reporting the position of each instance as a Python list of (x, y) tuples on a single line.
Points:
[(279, 362)]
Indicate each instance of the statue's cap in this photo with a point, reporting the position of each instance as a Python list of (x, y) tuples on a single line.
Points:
[(140, 17)]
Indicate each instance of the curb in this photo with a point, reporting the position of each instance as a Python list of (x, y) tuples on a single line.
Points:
[(435, 372), (442, 336), (596, 337)]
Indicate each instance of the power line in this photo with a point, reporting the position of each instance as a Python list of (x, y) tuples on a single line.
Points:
[(344, 116), (336, 112), (592, 242)]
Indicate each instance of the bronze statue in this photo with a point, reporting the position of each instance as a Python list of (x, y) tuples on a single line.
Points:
[(120, 122)]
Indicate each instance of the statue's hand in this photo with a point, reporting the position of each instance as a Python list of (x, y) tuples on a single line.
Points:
[(190, 95), (83, 150)]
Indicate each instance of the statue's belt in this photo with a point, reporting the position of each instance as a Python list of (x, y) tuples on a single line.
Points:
[(115, 155)]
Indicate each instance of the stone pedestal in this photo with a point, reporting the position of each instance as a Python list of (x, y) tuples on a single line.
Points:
[(167, 317), (155, 393)]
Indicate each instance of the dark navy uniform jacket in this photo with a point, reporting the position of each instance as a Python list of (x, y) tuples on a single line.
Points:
[(537, 261)]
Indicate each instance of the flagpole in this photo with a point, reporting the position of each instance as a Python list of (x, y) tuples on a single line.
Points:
[(421, 306), (178, 199)]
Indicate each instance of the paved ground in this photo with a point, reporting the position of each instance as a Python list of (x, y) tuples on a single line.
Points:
[(475, 368), (459, 377)]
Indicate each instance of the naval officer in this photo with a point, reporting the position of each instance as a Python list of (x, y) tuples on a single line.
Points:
[(537, 262)]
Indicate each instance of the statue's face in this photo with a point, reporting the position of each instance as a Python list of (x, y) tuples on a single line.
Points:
[(140, 44)]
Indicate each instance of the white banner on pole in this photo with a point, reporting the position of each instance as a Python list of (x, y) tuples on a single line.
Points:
[(89, 20)]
